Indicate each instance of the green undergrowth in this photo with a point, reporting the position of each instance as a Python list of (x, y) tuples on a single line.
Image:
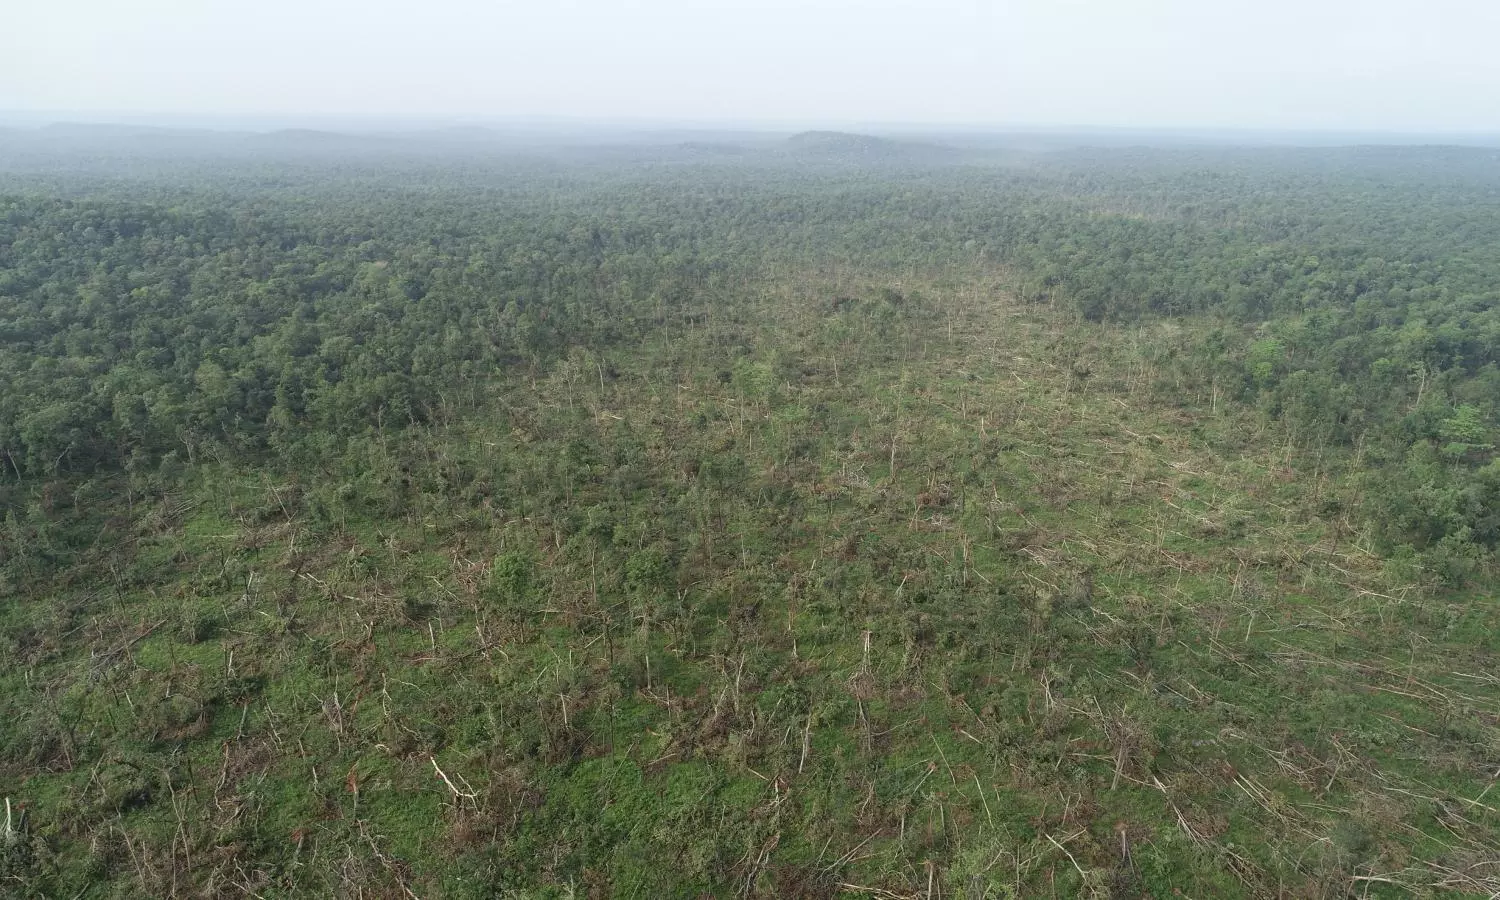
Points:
[(924, 594)]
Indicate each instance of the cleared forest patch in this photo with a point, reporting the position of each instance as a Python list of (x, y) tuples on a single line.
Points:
[(837, 585)]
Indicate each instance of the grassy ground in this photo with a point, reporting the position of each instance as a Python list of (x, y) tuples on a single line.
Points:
[(843, 587)]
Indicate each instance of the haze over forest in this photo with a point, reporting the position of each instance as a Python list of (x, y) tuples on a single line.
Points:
[(1342, 65)]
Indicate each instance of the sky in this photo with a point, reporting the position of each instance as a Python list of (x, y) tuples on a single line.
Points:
[(1377, 65)]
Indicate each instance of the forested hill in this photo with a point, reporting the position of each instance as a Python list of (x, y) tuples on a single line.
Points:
[(840, 516), (860, 148)]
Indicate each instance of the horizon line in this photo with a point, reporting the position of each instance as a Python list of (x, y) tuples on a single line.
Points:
[(41, 118)]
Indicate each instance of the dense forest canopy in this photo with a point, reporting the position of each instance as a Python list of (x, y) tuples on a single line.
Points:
[(749, 505)]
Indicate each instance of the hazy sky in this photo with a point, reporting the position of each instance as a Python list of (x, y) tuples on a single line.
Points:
[(1335, 64)]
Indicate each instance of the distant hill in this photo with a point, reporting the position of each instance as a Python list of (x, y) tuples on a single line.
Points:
[(841, 146), (108, 131), (308, 136), (99, 130)]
